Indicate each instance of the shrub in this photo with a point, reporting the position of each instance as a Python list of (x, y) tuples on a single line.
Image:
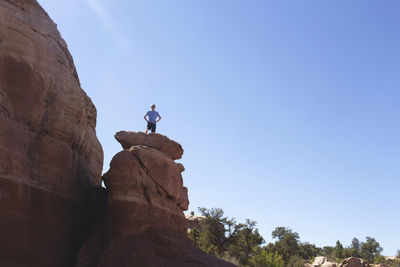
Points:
[(265, 258)]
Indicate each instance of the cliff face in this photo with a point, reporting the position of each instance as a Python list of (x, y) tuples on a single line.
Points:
[(145, 224), (51, 161), (49, 152)]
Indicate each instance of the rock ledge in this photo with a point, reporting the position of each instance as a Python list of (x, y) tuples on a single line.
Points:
[(153, 140)]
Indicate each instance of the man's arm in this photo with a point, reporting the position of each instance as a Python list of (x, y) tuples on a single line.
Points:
[(145, 115), (159, 118)]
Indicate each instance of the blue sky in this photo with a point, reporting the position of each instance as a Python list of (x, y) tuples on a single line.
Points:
[(287, 110)]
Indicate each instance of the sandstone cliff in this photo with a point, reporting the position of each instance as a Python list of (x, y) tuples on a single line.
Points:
[(145, 223), (51, 201), (49, 152)]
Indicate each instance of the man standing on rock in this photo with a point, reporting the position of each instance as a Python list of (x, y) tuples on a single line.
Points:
[(154, 117)]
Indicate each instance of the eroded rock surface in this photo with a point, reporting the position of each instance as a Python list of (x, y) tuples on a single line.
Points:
[(153, 140), (354, 262), (318, 261), (49, 152), (51, 164), (329, 264), (145, 224)]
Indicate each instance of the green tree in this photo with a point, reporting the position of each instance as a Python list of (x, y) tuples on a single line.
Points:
[(281, 231), (212, 237), (381, 259), (245, 241), (240, 243), (327, 251), (308, 251), (265, 258), (370, 249), (194, 235), (338, 250), (270, 248), (287, 244), (355, 244), (295, 261), (354, 250)]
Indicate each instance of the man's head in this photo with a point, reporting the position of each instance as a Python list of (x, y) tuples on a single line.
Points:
[(153, 107)]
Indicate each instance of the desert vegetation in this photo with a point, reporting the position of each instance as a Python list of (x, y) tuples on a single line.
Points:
[(242, 244)]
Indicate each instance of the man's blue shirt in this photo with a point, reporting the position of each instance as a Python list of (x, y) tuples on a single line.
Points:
[(153, 115)]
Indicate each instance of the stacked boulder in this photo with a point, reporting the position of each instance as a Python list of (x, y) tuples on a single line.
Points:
[(53, 209), (145, 224)]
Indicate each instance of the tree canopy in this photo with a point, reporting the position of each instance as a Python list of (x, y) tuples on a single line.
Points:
[(242, 244)]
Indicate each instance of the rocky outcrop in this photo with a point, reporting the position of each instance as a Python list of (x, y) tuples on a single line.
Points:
[(194, 221), (321, 261), (156, 141), (145, 224), (49, 152), (52, 205), (329, 264), (318, 261), (354, 262)]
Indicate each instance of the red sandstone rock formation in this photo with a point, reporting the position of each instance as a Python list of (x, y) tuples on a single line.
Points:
[(51, 163), (145, 224), (156, 141), (49, 152)]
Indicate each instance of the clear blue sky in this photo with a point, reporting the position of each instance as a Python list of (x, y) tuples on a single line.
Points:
[(288, 111)]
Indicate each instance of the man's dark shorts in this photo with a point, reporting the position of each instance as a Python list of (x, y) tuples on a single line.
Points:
[(151, 127)]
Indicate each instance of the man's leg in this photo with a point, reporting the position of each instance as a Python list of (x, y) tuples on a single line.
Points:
[(153, 128), (146, 131)]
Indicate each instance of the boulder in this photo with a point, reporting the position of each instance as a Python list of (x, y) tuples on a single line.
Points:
[(49, 152), (322, 262), (153, 140), (145, 223), (329, 264), (318, 261), (354, 262), (193, 222)]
